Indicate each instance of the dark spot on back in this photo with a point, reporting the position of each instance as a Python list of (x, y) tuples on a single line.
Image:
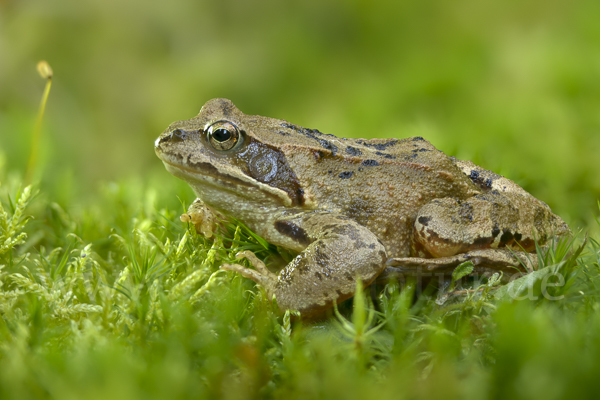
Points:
[(353, 151), (420, 150), (346, 174), (466, 212), (416, 138), (370, 163), (328, 145), (483, 179), (385, 155), (313, 134), (318, 155), (380, 146)]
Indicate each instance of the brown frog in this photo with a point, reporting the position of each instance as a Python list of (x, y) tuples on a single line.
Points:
[(350, 207)]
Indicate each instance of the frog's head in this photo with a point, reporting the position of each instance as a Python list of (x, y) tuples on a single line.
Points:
[(222, 153)]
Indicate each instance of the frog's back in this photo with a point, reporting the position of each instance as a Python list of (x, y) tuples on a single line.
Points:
[(381, 183)]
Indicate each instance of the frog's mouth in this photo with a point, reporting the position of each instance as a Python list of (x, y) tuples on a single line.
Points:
[(204, 176), (206, 173)]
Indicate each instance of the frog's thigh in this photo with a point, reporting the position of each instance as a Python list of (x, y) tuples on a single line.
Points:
[(339, 251), (449, 226)]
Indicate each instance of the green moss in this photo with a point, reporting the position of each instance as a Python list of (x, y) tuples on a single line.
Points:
[(147, 313)]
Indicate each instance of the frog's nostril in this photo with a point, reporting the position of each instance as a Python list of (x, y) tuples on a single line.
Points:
[(178, 135)]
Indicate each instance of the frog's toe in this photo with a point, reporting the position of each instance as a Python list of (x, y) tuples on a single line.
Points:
[(254, 261), (204, 219), (260, 274), (246, 273)]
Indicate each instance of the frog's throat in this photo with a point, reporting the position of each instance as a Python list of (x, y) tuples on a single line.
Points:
[(241, 186)]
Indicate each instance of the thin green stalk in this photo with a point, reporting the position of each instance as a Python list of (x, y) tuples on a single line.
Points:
[(45, 71)]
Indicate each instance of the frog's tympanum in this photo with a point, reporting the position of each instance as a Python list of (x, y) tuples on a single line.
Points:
[(351, 208)]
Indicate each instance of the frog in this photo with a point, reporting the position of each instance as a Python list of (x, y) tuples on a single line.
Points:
[(351, 209)]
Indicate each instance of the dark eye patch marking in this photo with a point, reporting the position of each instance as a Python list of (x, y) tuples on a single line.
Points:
[(268, 165)]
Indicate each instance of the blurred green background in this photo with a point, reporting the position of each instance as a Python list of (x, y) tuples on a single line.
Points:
[(511, 85)]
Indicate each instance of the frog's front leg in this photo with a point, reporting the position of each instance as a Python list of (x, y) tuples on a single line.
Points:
[(337, 251), (204, 218)]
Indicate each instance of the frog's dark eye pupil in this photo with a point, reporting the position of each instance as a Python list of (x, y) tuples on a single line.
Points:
[(221, 135)]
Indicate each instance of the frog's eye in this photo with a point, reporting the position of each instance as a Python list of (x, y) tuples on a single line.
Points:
[(223, 135)]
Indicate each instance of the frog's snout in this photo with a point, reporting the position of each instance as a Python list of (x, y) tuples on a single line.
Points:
[(174, 136)]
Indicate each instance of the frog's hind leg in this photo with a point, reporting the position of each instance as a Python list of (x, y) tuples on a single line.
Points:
[(497, 231), (493, 220), (486, 262)]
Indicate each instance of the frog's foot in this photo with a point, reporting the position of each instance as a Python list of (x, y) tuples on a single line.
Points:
[(203, 217), (485, 261), (260, 274)]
